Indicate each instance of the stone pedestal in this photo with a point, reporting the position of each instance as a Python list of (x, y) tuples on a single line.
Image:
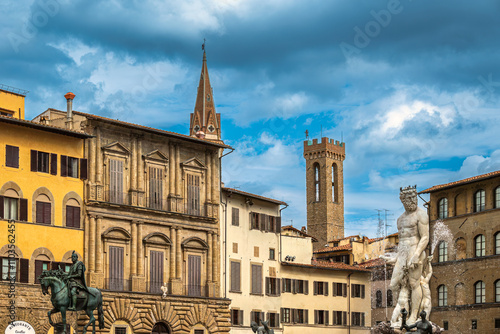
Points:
[(59, 329), (211, 289), (138, 283), (176, 287)]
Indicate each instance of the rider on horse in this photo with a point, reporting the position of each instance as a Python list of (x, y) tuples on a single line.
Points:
[(76, 280)]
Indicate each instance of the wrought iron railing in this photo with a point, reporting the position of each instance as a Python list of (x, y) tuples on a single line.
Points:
[(116, 284)]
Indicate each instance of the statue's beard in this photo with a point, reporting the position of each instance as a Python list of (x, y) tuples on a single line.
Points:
[(410, 205)]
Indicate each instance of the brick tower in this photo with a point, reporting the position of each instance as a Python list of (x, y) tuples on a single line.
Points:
[(325, 189)]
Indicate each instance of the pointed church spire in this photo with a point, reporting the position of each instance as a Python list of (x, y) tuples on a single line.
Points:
[(205, 122)]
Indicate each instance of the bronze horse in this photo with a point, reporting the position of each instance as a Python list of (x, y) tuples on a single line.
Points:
[(60, 298)]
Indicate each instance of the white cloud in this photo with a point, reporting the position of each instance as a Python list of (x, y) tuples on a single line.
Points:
[(74, 49)]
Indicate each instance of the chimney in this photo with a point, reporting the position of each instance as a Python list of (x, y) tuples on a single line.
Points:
[(69, 115)]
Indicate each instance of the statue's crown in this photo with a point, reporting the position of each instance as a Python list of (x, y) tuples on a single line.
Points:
[(408, 189)]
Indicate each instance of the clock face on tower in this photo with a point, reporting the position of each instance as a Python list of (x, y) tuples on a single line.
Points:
[(211, 128)]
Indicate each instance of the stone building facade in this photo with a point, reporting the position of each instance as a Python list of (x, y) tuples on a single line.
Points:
[(325, 189), (466, 282), (151, 220)]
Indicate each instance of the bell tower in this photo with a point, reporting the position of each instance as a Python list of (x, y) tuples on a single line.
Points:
[(325, 189), (205, 122)]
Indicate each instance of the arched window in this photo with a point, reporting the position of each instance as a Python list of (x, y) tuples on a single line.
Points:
[(10, 205), (378, 298), (479, 200), (443, 251), (497, 291), (389, 298), (461, 248), (316, 182), (443, 208), (43, 209), (480, 290), (442, 295), (497, 197), (73, 213), (497, 243), (480, 248), (334, 181)]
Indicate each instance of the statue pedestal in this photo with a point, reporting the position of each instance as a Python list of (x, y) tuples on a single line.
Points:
[(59, 328)]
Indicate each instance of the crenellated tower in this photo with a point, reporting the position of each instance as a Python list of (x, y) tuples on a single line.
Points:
[(205, 122), (325, 189)]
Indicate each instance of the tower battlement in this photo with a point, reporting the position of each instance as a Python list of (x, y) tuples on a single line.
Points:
[(326, 147)]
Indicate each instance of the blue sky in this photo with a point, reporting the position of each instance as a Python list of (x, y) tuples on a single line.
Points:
[(411, 86)]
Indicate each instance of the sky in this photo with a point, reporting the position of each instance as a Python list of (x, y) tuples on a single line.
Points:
[(411, 86)]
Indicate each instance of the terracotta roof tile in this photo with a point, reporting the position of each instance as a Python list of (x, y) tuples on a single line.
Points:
[(372, 263), (244, 193), (464, 181), (326, 265), (290, 227), (334, 249)]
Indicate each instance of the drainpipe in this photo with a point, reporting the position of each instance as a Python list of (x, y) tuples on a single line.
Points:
[(225, 220), (286, 206)]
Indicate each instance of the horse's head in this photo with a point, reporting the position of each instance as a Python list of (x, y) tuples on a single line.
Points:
[(45, 283)]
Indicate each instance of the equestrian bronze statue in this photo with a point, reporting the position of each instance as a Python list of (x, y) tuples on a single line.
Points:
[(69, 292)]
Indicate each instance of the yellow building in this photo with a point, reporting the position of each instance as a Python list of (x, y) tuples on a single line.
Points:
[(41, 191)]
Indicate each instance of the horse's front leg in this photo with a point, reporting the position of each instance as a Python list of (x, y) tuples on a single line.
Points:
[(63, 315), (54, 310)]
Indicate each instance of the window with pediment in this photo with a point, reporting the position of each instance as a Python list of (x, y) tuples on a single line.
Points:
[(156, 167), (116, 157), (194, 178)]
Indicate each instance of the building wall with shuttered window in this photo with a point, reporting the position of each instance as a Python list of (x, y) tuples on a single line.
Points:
[(18, 180)]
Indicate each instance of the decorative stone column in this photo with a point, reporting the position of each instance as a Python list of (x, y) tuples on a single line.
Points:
[(99, 271), (140, 175), (176, 261), (99, 166), (133, 173), (210, 265), (135, 278), (140, 258), (91, 168), (216, 259)]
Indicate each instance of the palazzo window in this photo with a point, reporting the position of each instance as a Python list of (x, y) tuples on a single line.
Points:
[(73, 213), (287, 285), (43, 210), (389, 298), (358, 319), (256, 271), (11, 156), (273, 286), (497, 291), (273, 319), (43, 162), (443, 251), (497, 243), (479, 200), (339, 318), (285, 315), (235, 276), (320, 288), (480, 245), (236, 317), (442, 295), (378, 298), (155, 188), (116, 181), (339, 289), (10, 208), (497, 197), (193, 202), (73, 167), (480, 289), (321, 317), (443, 208), (235, 216), (9, 269), (358, 290), (40, 266)]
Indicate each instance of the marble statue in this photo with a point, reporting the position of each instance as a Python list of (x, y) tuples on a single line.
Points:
[(426, 304), (164, 289), (413, 230)]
